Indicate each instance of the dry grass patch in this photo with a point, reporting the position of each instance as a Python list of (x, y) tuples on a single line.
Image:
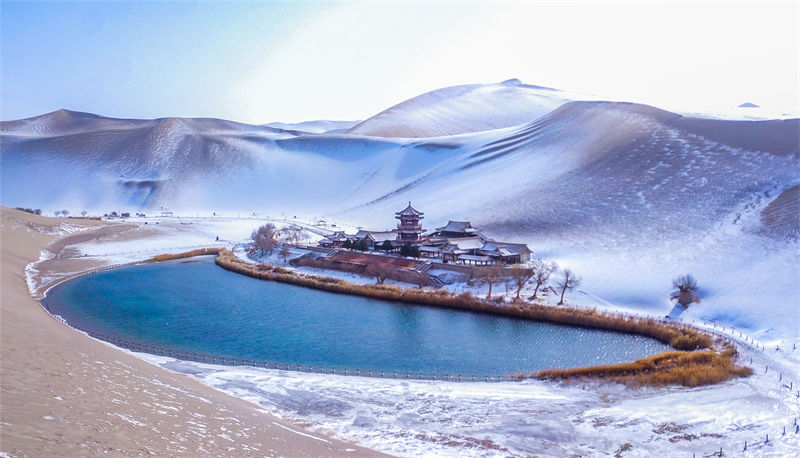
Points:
[(188, 254), (688, 366)]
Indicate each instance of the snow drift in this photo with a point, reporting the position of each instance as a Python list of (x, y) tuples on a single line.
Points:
[(626, 194), (463, 109), (626, 170)]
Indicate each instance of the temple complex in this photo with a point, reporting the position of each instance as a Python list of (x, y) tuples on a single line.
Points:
[(457, 242)]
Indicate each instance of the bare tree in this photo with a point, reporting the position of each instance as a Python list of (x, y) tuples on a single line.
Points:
[(687, 286), (381, 273), (567, 281), (520, 276), (542, 270), (285, 252), (65, 213), (285, 235), (302, 236), (264, 239), (488, 275), (293, 234), (83, 213)]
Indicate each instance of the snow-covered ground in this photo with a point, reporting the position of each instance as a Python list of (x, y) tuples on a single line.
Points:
[(411, 418), (169, 235), (628, 196)]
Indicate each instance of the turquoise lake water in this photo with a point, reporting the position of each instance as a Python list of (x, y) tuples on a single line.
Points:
[(195, 306)]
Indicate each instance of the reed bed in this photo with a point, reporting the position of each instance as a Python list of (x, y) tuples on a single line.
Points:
[(187, 254), (694, 368), (688, 366)]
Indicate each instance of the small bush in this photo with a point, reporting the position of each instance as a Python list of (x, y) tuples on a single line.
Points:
[(34, 211)]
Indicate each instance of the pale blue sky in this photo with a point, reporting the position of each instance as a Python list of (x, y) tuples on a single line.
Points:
[(291, 61)]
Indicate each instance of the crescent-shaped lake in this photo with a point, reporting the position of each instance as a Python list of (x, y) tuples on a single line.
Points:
[(194, 306)]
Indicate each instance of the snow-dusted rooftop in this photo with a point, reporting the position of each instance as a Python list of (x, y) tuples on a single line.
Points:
[(410, 211), (466, 243), (377, 236), (457, 227)]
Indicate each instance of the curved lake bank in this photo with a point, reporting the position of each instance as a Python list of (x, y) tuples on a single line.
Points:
[(194, 306)]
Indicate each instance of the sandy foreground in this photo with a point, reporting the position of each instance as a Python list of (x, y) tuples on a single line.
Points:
[(65, 394)]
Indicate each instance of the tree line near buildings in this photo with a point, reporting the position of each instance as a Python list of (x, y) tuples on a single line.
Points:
[(539, 271), (267, 237)]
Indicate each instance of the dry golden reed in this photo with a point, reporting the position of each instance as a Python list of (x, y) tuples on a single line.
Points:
[(688, 367), (188, 254)]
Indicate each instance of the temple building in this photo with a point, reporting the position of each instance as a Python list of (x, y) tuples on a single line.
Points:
[(376, 239), (456, 229), (335, 240), (409, 231), (457, 242)]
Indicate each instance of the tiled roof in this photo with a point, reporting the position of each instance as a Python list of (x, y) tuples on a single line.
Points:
[(409, 211), (457, 226), (469, 257), (377, 236), (466, 243), (502, 248)]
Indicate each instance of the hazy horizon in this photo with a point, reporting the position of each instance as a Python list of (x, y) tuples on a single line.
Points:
[(293, 62)]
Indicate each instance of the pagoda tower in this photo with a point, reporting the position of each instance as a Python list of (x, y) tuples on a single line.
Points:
[(409, 231)]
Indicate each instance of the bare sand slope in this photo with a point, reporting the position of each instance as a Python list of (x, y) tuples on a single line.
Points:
[(64, 394)]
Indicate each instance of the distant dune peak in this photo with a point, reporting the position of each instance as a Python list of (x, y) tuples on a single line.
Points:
[(464, 109), (68, 112), (749, 105), (544, 146), (517, 82)]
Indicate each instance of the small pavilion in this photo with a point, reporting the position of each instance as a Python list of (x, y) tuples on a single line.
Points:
[(409, 231)]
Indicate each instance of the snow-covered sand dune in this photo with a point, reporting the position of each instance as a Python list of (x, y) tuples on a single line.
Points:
[(631, 165), (627, 194), (466, 108), (315, 127), (413, 418)]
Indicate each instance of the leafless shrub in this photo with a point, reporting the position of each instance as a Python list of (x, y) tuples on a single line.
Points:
[(687, 286), (264, 239), (542, 270), (488, 275), (520, 276), (567, 282)]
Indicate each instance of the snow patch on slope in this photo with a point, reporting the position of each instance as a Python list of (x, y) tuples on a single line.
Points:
[(463, 109)]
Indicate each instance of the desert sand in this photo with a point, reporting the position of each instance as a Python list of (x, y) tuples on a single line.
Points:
[(65, 394)]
